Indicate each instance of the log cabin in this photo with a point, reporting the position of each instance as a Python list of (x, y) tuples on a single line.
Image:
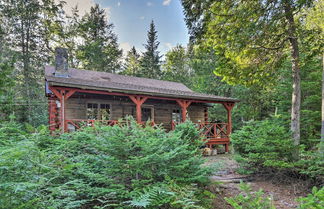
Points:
[(78, 97)]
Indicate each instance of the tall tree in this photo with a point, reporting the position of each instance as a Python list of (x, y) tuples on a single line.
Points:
[(176, 66), (100, 50), (315, 21), (132, 63), (150, 62), (24, 25), (6, 77), (251, 38)]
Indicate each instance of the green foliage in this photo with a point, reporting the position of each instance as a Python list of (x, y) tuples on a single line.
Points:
[(249, 199), (150, 61), (176, 66), (102, 167), (176, 196), (189, 132), (315, 200), (264, 143), (100, 50), (132, 65)]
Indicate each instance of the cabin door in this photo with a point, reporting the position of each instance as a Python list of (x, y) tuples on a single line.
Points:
[(147, 114)]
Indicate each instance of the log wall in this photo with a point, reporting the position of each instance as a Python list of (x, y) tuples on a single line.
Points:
[(120, 107)]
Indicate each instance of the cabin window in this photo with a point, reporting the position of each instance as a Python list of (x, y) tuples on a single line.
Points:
[(147, 114), (92, 111), (176, 115), (98, 111), (104, 112)]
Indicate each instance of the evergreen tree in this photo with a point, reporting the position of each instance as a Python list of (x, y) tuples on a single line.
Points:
[(150, 62), (132, 65), (100, 50), (25, 28)]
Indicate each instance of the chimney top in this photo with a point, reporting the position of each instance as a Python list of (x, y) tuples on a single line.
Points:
[(61, 62)]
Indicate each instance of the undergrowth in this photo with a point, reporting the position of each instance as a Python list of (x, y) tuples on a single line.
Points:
[(125, 166)]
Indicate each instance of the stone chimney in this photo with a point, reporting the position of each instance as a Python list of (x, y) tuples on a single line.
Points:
[(61, 62)]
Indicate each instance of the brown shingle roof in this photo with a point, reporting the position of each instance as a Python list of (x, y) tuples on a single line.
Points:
[(108, 81)]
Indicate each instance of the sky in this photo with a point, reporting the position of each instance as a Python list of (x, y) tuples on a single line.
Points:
[(131, 19)]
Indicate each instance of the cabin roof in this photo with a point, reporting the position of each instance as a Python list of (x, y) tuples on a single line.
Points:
[(87, 79)]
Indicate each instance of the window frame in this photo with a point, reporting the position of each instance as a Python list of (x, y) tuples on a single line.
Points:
[(152, 111), (179, 117), (99, 116)]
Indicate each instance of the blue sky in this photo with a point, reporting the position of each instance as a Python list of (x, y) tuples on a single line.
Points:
[(132, 18)]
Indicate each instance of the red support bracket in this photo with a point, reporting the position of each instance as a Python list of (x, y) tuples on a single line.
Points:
[(138, 100), (229, 105), (184, 104)]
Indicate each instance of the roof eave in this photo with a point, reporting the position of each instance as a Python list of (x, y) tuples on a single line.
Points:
[(205, 99)]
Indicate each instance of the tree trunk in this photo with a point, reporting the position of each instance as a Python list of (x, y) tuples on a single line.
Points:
[(296, 94)]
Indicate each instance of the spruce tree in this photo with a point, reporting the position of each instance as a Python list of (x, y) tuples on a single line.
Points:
[(150, 62), (100, 50), (132, 65)]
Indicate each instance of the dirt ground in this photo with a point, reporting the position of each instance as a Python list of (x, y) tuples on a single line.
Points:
[(283, 195)]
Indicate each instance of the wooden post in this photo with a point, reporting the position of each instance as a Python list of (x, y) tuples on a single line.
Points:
[(52, 114), (138, 100), (62, 95), (229, 106), (184, 104), (206, 115), (63, 128)]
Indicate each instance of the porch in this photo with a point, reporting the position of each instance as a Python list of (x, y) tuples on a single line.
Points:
[(72, 108)]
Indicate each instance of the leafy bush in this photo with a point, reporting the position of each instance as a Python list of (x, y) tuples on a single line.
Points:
[(264, 143), (315, 200), (267, 144), (248, 199), (103, 167)]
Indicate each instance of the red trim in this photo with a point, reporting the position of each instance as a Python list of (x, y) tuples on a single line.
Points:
[(229, 106), (184, 104)]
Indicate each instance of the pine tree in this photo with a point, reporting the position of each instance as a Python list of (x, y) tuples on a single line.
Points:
[(150, 62), (99, 50), (132, 65)]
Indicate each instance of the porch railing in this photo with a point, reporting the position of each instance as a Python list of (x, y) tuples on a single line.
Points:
[(210, 131), (79, 123)]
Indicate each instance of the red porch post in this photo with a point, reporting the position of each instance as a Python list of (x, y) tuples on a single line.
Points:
[(52, 113), (62, 95), (184, 104), (229, 106), (138, 100)]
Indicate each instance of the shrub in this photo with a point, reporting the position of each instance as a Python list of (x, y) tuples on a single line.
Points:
[(248, 199), (264, 143), (267, 144), (315, 200), (104, 167)]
